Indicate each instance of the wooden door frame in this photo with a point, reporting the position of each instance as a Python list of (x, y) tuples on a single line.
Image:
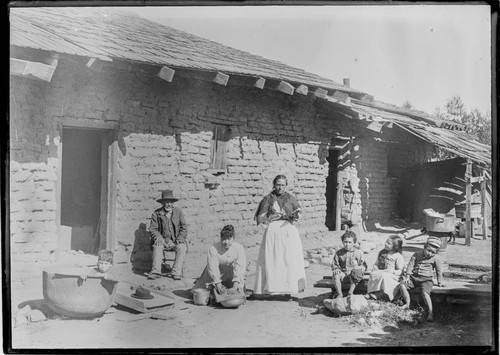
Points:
[(111, 155)]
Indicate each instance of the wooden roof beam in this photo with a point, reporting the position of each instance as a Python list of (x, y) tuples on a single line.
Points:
[(166, 74), (247, 81), (33, 70), (321, 93), (221, 78), (95, 64), (342, 97), (302, 89), (280, 85)]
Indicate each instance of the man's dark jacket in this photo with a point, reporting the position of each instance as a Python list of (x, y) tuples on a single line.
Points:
[(159, 219)]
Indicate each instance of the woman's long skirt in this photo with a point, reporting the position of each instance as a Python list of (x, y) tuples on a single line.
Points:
[(280, 265)]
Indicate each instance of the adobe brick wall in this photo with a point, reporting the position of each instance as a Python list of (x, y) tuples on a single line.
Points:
[(164, 138)]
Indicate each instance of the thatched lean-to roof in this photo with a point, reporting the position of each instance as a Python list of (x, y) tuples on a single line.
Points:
[(455, 141), (116, 36)]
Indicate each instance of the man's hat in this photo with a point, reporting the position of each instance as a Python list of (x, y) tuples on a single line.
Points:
[(142, 293), (167, 195), (434, 241)]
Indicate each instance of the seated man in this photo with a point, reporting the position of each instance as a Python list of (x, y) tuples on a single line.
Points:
[(168, 232), (226, 265)]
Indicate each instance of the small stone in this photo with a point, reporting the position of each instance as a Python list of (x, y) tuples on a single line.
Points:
[(306, 264), (361, 321), (20, 319), (324, 253)]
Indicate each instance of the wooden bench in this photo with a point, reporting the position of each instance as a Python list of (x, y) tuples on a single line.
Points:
[(454, 290)]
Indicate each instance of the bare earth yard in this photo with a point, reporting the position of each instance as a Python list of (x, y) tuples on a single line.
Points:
[(259, 323)]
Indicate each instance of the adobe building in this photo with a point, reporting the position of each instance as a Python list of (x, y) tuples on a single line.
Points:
[(107, 109)]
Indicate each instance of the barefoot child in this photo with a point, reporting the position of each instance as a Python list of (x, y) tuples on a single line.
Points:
[(348, 264), (384, 279), (420, 271)]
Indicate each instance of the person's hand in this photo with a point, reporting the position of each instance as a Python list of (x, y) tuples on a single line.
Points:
[(271, 212), (218, 288), (275, 217), (234, 289), (439, 284), (110, 277), (336, 271), (158, 241), (358, 267), (83, 276), (170, 244)]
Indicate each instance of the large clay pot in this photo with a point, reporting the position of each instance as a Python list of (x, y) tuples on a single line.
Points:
[(71, 296)]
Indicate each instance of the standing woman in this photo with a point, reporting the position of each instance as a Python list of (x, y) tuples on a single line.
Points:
[(280, 266)]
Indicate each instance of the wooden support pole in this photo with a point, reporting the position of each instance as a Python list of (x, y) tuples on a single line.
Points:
[(34, 70), (468, 224), (483, 207), (338, 204), (166, 74), (285, 87), (302, 89), (221, 79)]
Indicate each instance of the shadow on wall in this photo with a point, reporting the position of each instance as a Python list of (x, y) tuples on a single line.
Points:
[(141, 252)]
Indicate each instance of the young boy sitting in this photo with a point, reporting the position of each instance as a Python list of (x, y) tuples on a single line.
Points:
[(348, 265), (420, 271), (104, 266)]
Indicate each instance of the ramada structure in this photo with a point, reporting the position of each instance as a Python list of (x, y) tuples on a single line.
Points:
[(107, 109)]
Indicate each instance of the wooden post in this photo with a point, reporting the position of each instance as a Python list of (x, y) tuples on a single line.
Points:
[(483, 206), (338, 204), (468, 224)]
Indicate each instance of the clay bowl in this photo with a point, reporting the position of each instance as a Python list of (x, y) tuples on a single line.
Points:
[(234, 303), (67, 294)]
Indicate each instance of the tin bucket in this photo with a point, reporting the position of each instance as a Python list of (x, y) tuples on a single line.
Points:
[(443, 223), (201, 296)]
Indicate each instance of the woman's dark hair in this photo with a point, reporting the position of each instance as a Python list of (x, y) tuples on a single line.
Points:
[(349, 234), (279, 177), (105, 255), (227, 232), (397, 243)]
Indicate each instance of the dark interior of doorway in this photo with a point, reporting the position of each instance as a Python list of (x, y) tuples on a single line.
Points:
[(331, 189), (81, 188)]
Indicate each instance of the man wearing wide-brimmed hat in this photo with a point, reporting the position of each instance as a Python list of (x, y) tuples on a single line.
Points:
[(168, 232)]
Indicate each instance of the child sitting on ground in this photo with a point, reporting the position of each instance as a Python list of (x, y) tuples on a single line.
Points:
[(348, 265), (384, 279), (104, 266), (419, 274)]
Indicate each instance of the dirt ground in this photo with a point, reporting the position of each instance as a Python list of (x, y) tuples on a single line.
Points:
[(259, 323)]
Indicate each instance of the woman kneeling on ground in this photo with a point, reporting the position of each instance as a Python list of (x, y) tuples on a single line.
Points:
[(226, 265), (387, 270)]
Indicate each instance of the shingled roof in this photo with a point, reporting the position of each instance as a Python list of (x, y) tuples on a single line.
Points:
[(111, 33)]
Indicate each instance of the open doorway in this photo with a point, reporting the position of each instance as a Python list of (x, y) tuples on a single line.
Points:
[(84, 197), (331, 189)]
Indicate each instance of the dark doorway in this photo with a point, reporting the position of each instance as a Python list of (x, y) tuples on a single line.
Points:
[(331, 189), (83, 189)]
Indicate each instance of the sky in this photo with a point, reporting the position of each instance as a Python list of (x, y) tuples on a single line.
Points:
[(424, 54)]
